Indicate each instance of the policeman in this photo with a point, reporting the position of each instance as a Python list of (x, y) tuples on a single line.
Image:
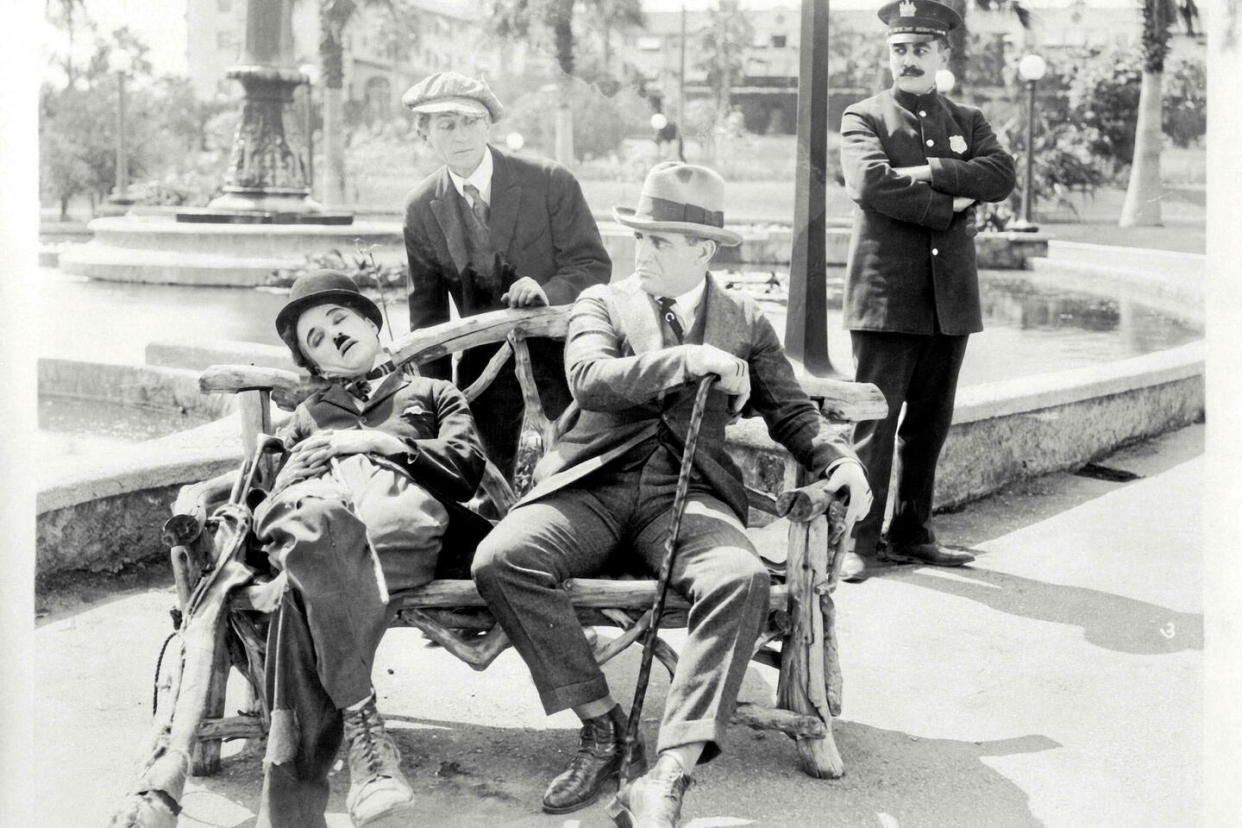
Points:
[(915, 163)]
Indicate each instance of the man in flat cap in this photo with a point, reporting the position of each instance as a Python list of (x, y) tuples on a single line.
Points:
[(635, 351), (915, 163), (493, 230)]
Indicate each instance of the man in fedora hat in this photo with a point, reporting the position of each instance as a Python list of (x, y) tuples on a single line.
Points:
[(634, 352), (368, 496), (915, 163), (493, 230)]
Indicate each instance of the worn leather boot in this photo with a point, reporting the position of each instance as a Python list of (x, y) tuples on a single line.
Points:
[(379, 794), (601, 749), (653, 800)]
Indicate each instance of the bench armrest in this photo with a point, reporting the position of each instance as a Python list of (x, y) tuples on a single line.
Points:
[(844, 400), (286, 387)]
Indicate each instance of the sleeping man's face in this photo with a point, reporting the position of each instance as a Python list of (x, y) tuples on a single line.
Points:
[(339, 340)]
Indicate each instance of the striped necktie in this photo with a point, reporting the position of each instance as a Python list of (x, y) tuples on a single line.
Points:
[(670, 316), (477, 205)]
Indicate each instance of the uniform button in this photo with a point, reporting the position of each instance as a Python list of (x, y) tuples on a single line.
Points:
[(922, 114), (935, 251), (930, 142)]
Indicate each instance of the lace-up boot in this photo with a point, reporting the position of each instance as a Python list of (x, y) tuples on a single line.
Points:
[(379, 794), (601, 749)]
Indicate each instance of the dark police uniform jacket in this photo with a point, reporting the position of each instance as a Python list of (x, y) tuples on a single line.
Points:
[(912, 259)]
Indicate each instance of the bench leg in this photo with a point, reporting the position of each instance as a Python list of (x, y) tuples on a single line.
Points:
[(805, 675), (205, 753)]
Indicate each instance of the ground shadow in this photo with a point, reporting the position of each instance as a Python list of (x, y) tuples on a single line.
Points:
[(467, 775), (1113, 622)]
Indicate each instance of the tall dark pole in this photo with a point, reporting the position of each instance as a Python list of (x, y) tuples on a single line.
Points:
[(806, 324), (681, 73), (1028, 182)]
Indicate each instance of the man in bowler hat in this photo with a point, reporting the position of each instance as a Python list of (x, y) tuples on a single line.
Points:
[(635, 351), (493, 230), (915, 163), (361, 509)]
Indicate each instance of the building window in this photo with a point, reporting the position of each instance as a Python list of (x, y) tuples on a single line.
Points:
[(224, 5), (224, 40), (778, 41)]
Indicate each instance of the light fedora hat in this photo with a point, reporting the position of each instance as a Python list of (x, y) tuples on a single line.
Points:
[(681, 198)]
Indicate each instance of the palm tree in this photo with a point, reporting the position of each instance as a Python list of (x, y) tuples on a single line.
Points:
[(334, 15), (723, 45), (1142, 205)]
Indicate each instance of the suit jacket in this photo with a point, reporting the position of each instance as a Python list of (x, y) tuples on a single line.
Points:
[(912, 259), (625, 383), (540, 226), (433, 419)]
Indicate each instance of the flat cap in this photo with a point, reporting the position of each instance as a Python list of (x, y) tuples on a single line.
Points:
[(452, 92), (926, 18)]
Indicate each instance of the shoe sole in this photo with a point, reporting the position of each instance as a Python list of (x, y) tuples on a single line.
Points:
[(891, 557), (400, 816), (637, 769)]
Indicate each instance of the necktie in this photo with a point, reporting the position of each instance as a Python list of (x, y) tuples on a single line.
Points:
[(477, 205), (670, 316), (360, 387)]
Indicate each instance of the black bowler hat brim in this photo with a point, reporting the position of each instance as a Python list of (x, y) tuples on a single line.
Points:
[(287, 319)]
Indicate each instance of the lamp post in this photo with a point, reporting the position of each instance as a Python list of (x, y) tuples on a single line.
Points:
[(121, 62), (311, 73), (1031, 68)]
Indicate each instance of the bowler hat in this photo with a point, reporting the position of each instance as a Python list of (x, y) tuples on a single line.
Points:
[(681, 198), (919, 19), (452, 92), (321, 287)]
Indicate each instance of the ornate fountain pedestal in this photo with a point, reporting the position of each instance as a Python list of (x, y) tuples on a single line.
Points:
[(266, 181)]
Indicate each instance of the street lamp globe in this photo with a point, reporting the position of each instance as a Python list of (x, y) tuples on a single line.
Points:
[(120, 61), (945, 81), (658, 121), (1032, 67), (515, 141)]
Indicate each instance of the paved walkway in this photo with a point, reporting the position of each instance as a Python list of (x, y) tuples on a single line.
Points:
[(1057, 682)]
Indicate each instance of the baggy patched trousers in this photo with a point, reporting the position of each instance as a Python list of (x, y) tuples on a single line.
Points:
[(344, 541), (578, 531)]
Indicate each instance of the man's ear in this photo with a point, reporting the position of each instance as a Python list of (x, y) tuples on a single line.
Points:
[(708, 249)]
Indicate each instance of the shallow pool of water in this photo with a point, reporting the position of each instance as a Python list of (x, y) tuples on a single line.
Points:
[(69, 427), (1027, 330)]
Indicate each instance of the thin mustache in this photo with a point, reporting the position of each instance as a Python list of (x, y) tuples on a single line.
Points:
[(911, 73)]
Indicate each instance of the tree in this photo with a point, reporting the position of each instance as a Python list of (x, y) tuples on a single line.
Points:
[(723, 45), (334, 18), (551, 22), (1142, 205), (960, 37)]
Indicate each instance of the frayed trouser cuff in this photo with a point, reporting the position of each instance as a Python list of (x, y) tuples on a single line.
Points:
[(573, 695), (676, 734)]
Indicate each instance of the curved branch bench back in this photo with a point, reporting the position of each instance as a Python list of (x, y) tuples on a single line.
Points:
[(799, 639)]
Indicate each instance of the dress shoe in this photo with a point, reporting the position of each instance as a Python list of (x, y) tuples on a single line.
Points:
[(379, 794), (601, 749), (653, 800), (928, 553)]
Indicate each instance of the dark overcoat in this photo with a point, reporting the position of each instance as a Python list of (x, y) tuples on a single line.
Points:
[(625, 384), (912, 259), (540, 226)]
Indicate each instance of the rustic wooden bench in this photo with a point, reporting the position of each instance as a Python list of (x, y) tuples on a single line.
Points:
[(799, 639)]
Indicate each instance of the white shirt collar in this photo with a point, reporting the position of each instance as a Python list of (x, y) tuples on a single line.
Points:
[(687, 304), (481, 178)]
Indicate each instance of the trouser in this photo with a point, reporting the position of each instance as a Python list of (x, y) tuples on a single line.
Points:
[(344, 540), (919, 371), (498, 410), (575, 532)]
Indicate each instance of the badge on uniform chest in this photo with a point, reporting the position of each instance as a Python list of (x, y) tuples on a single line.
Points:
[(957, 143)]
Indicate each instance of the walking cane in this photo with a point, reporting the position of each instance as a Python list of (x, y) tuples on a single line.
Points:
[(666, 570)]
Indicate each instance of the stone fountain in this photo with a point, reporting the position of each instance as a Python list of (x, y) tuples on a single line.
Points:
[(265, 219)]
